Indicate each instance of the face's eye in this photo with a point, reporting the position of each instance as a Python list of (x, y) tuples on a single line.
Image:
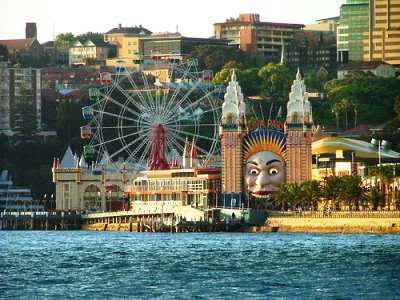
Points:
[(254, 172), (273, 171)]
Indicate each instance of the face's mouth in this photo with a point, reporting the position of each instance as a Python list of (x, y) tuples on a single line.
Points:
[(261, 194)]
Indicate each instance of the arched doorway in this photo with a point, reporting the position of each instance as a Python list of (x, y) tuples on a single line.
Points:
[(92, 198)]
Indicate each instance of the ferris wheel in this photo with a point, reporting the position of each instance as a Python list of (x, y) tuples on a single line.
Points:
[(158, 90)]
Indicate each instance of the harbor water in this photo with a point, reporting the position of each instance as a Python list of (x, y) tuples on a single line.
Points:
[(132, 265)]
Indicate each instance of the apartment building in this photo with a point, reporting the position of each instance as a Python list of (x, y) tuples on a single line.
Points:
[(165, 43), (116, 36), (91, 48), (11, 82), (255, 37), (382, 40)]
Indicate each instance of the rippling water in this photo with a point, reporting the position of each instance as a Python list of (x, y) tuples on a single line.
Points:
[(131, 265)]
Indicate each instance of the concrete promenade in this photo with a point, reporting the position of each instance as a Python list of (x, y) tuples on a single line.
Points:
[(380, 222)]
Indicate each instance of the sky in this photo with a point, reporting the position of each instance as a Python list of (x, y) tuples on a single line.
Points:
[(191, 18)]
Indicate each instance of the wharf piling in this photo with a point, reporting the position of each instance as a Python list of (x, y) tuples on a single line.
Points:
[(48, 220)]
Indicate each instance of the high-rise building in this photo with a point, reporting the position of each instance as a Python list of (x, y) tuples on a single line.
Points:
[(11, 82), (354, 21), (255, 37), (369, 30), (382, 40)]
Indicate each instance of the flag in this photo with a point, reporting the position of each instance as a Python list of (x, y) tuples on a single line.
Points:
[(279, 112)]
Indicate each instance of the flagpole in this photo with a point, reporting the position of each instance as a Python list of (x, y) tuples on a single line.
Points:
[(254, 112), (270, 113), (262, 114)]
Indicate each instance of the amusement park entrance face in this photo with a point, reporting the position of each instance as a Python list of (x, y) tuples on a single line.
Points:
[(263, 171)]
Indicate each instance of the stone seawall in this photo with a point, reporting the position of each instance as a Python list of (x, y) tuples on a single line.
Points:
[(110, 227), (310, 225), (334, 225)]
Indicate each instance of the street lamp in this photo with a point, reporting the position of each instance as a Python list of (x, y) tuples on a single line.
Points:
[(110, 199)]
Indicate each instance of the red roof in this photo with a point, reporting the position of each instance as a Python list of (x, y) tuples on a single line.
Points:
[(363, 129), (77, 94), (362, 65), (52, 70), (51, 94)]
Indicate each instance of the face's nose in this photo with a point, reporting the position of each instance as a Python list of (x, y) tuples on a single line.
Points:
[(263, 178)]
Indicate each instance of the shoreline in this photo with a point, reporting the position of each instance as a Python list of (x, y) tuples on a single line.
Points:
[(335, 225), (296, 225)]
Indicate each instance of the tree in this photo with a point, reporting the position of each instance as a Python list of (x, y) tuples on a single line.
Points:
[(297, 193), (312, 191), (374, 96), (90, 36), (4, 52), (249, 80), (397, 105), (25, 122), (386, 175), (331, 189), (312, 80), (336, 112), (276, 79), (224, 76), (282, 195), (352, 190), (375, 197), (215, 57), (64, 39), (345, 105)]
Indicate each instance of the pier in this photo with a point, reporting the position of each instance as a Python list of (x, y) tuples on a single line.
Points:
[(44, 220), (149, 218)]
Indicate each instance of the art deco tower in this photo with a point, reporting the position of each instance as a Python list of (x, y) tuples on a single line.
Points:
[(298, 131), (232, 128)]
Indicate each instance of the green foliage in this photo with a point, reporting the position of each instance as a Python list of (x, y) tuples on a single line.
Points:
[(312, 192), (4, 52), (352, 191), (314, 81), (25, 123), (346, 190), (374, 98), (90, 36), (69, 121), (64, 39), (215, 57), (277, 80), (331, 188), (89, 60), (250, 82)]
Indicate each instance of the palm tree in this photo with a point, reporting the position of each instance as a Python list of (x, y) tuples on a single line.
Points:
[(352, 190), (312, 191), (336, 111), (375, 197), (297, 194), (282, 195), (331, 189), (355, 114), (345, 104), (386, 175)]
